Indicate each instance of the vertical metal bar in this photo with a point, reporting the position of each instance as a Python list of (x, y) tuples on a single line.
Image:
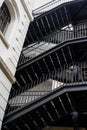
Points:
[(40, 67), (44, 26), (57, 20), (52, 103), (40, 116), (35, 73), (48, 24), (64, 75), (30, 35), (27, 40), (81, 67), (39, 28), (52, 62), (84, 71), (46, 65), (52, 21), (62, 105), (70, 53), (62, 17), (35, 31), (68, 97), (18, 84), (29, 76), (21, 76), (58, 59), (85, 29), (58, 79), (44, 106), (66, 14), (64, 56)]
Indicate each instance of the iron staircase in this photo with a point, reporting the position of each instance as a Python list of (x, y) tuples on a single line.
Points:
[(61, 60)]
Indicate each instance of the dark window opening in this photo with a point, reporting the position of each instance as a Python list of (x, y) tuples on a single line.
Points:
[(5, 18)]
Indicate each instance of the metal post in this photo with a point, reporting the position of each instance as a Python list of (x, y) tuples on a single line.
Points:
[(75, 121)]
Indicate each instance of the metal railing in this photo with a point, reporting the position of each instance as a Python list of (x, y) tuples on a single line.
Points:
[(68, 75), (48, 6), (65, 34), (33, 51)]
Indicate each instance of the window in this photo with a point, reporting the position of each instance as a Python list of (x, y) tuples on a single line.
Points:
[(5, 18)]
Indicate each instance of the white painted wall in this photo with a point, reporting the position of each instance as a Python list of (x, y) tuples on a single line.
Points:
[(47, 5), (11, 45), (39, 3)]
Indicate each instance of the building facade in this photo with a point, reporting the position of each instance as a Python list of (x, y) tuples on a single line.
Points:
[(47, 85), (15, 16)]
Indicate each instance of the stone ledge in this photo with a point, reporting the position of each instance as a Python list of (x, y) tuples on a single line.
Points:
[(4, 40), (6, 71)]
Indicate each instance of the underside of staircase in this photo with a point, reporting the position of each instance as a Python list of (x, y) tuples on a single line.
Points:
[(51, 76)]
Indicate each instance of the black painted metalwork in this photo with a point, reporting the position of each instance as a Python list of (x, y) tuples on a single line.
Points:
[(67, 33), (52, 72), (68, 75), (5, 18), (55, 19), (33, 70), (62, 102)]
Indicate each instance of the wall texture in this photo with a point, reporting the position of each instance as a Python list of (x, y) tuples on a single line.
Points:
[(11, 44)]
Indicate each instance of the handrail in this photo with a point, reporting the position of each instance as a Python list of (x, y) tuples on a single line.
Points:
[(57, 38), (69, 75), (48, 6)]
